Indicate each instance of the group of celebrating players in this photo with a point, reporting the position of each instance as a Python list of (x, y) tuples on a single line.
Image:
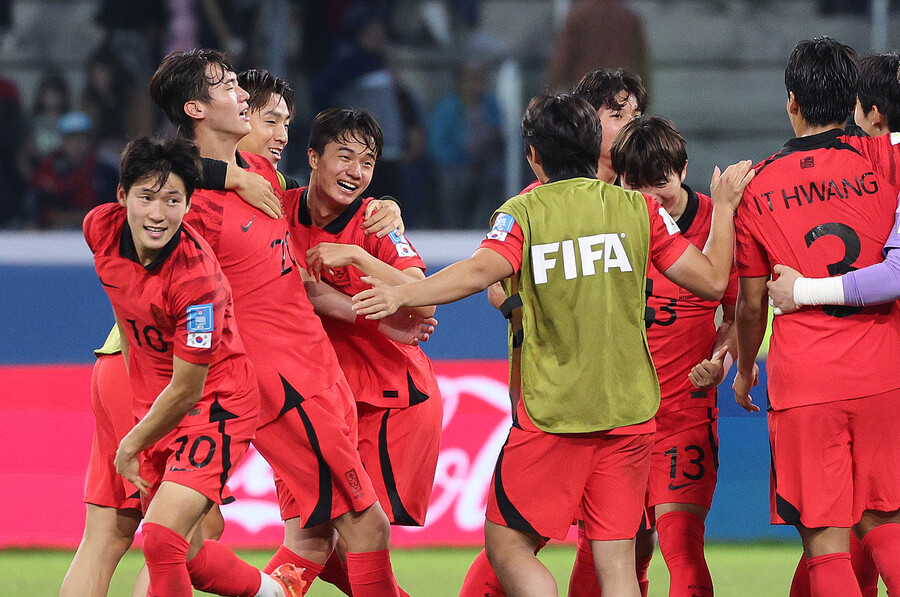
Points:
[(252, 309)]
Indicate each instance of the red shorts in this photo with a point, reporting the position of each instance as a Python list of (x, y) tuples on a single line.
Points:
[(832, 461), (113, 419), (399, 447), (312, 449), (685, 457), (201, 457), (541, 479)]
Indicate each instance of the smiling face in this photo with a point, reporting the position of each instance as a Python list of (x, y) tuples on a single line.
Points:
[(155, 213), (269, 130), (342, 172), (226, 111)]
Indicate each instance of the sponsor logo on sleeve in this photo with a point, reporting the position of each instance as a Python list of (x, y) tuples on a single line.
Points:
[(200, 318), (671, 225), (503, 223), (200, 326), (895, 138), (404, 249)]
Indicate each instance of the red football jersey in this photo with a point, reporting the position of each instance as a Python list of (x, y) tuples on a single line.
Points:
[(278, 324), (378, 369), (179, 305), (824, 205), (683, 328)]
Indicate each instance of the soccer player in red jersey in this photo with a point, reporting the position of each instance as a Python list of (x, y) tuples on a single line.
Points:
[(307, 429), (195, 394), (398, 399), (601, 469), (825, 205), (690, 354)]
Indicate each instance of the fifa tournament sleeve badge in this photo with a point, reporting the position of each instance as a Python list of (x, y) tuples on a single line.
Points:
[(503, 223), (404, 249), (200, 325)]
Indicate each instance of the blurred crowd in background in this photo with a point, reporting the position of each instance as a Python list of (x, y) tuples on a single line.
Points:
[(444, 156)]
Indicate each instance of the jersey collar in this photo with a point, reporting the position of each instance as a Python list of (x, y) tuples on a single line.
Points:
[(690, 210), (335, 226), (241, 162), (570, 175), (129, 251), (817, 141)]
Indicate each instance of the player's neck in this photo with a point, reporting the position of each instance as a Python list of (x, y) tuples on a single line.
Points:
[(217, 145), (804, 129), (680, 205), (606, 173), (321, 210)]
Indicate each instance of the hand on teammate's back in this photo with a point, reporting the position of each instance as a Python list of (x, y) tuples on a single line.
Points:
[(781, 289), (407, 328), (727, 188), (377, 302)]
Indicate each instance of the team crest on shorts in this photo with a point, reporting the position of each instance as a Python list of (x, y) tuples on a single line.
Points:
[(404, 249), (503, 223), (353, 481)]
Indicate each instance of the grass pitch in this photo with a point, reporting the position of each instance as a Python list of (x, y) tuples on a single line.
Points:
[(738, 570)]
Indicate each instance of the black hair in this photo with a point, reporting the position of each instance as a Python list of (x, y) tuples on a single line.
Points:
[(879, 86), (602, 87), (647, 151), (145, 157), (564, 131), (182, 77), (344, 124), (823, 75), (262, 85)]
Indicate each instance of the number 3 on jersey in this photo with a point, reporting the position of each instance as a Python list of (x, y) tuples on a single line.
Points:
[(852, 248)]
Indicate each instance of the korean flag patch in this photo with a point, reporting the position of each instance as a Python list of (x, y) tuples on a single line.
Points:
[(503, 223), (404, 249), (895, 138), (199, 339)]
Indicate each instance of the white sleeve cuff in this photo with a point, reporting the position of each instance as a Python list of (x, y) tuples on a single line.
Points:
[(819, 291)]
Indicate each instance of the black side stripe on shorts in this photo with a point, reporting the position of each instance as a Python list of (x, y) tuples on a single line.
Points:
[(511, 515), (416, 396), (220, 415), (292, 398), (401, 515), (713, 444)]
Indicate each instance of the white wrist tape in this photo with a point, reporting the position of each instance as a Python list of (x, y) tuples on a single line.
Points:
[(819, 291)]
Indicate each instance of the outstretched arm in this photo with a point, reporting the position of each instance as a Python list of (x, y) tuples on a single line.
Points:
[(452, 283)]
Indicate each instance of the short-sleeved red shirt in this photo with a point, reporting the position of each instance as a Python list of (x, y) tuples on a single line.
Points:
[(683, 328), (824, 206), (277, 321), (378, 369), (179, 305)]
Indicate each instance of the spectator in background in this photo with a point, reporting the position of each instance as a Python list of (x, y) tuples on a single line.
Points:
[(598, 34), (71, 181), (465, 145), (51, 100), (358, 77), (113, 101), (12, 131)]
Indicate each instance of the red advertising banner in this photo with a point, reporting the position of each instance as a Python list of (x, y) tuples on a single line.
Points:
[(45, 435)]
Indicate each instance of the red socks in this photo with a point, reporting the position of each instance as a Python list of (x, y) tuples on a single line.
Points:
[(883, 544), (216, 569), (583, 582), (166, 555), (311, 570), (481, 580), (370, 574), (681, 543), (832, 575), (335, 572), (641, 565), (863, 567)]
